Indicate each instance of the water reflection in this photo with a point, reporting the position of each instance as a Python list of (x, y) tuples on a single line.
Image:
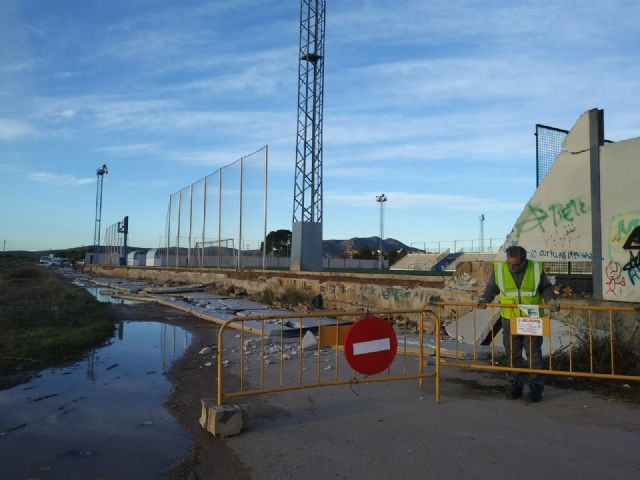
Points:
[(103, 294), (102, 417)]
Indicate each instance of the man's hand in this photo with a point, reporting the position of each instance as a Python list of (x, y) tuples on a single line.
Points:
[(554, 306), (482, 305)]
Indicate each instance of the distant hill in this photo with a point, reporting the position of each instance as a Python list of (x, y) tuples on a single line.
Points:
[(73, 254), (330, 248), (337, 248)]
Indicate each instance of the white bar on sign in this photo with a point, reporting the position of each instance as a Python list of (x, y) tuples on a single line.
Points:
[(371, 346)]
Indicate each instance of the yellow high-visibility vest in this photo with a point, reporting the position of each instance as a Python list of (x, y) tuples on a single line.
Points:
[(509, 292)]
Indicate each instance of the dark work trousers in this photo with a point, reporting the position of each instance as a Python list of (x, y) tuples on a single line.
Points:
[(515, 359)]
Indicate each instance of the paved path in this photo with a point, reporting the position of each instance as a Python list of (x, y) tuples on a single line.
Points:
[(394, 430)]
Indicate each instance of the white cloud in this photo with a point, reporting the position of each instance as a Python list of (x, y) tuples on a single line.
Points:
[(146, 183), (11, 129), (402, 200), (58, 179), (132, 149)]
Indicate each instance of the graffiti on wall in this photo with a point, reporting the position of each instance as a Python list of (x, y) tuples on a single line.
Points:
[(537, 217), (622, 265), (632, 245), (614, 280), (560, 256)]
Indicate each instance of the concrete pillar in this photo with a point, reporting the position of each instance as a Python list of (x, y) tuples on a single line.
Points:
[(596, 140)]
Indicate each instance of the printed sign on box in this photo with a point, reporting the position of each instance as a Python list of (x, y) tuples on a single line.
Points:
[(538, 327)]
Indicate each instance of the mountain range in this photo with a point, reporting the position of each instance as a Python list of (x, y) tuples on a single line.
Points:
[(337, 248), (330, 248)]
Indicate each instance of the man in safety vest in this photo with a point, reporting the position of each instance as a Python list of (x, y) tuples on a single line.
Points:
[(519, 281)]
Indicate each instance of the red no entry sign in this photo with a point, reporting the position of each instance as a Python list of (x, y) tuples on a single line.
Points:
[(370, 345)]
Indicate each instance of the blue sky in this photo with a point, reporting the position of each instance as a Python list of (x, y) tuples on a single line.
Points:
[(433, 103)]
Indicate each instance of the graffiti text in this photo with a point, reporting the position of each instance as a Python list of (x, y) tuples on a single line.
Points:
[(536, 217)]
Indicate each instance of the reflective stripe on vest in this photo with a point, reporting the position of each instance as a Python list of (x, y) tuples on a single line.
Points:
[(509, 293)]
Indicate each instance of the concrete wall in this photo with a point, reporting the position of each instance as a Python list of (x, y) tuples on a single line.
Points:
[(556, 225), (620, 191), (339, 291)]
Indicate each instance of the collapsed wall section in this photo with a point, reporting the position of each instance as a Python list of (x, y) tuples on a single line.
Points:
[(556, 224)]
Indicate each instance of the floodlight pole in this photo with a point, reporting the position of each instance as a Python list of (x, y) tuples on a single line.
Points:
[(100, 173), (482, 218), (381, 199), (306, 241)]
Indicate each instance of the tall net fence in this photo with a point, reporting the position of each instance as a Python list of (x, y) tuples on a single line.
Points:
[(220, 220), (548, 146), (549, 142), (112, 250)]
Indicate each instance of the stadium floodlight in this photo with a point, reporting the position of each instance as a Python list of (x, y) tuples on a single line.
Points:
[(381, 199), (100, 173)]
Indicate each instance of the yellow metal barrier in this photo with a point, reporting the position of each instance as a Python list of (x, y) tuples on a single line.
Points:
[(272, 361), (589, 329), (269, 361)]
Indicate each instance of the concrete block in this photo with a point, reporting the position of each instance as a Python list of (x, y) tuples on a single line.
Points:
[(485, 322), (222, 420), (309, 341)]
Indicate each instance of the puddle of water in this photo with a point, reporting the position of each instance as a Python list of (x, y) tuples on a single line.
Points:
[(101, 297), (103, 417)]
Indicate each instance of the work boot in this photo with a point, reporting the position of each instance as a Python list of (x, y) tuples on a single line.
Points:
[(514, 390), (535, 393)]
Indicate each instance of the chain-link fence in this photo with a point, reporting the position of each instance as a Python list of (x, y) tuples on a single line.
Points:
[(220, 220), (480, 245)]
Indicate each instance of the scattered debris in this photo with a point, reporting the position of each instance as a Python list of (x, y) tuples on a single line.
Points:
[(44, 397), (78, 453)]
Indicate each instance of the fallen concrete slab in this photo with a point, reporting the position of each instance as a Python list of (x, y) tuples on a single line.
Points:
[(475, 326)]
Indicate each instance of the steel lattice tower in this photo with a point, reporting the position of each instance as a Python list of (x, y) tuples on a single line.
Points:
[(307, 197), (100, 172)]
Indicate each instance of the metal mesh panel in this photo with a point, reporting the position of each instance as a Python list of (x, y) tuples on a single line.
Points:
[(197, 222), (112, 245), (570, 279), (253, 204), (184, 218), (211, 250), (208, 221), (172, 230), (230, 205), (548, 147)]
